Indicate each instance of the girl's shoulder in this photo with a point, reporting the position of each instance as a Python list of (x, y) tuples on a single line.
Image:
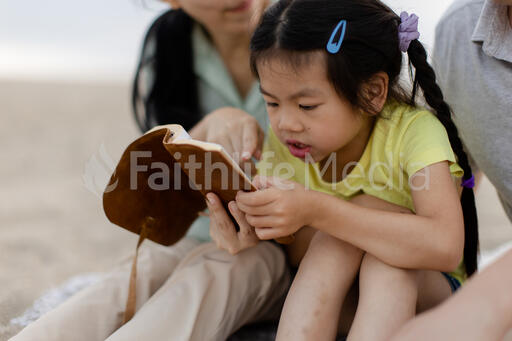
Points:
[(400, 118), (416, 136)]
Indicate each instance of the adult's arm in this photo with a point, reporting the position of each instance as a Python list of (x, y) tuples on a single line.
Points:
[(481, 310)]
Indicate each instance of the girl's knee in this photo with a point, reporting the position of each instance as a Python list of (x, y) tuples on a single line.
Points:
[(325, 245), (373, 269)]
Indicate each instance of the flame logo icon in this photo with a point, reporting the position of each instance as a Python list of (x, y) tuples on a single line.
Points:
[(97, 172)]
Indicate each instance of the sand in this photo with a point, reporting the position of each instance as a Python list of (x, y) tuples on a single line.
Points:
[(51, 225)]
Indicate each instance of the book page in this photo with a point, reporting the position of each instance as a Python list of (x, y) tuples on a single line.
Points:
[(181, 136)]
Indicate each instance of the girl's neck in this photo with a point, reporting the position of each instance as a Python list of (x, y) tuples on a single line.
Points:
[(349, 154), (234, 52)]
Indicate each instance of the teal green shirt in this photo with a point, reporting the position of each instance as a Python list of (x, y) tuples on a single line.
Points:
[(216, 90)]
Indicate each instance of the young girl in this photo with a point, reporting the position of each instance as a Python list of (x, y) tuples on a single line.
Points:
[(367, 169)]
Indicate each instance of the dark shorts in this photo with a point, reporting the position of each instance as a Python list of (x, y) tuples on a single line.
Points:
[(454, 282)]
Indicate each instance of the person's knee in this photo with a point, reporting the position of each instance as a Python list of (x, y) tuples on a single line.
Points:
[(326, 245), (267, 258), (375, 271), (261, 271)]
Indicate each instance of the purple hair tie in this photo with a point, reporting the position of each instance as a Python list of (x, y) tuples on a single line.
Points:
[(407, 30), (469, 183)]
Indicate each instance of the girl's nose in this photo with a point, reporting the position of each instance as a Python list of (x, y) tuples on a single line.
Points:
[(289, 121)]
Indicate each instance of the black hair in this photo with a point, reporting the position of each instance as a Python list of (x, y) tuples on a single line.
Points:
[(172, 95), (371, 45)]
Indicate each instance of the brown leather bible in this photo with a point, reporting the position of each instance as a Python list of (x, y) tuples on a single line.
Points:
[(158, 187), (161, 180)]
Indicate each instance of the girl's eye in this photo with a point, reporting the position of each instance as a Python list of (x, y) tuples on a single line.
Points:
[(308, 107), (271, 104)]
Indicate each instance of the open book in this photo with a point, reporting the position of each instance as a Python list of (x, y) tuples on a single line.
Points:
[(160, 182)]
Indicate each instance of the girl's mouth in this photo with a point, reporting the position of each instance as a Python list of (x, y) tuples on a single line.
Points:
[(298, 149), (242, 7)]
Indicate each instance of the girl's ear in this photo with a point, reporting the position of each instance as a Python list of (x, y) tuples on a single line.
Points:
[(375, 91)]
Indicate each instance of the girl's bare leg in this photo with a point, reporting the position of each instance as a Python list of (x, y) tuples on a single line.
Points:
[(431, 287), (387, 299), (315, 299), (390, 296)]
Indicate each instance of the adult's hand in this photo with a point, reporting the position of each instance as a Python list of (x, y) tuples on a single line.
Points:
[(237, 131), (222, 229)]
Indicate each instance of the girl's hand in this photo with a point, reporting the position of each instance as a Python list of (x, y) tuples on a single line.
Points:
[(237, 131), (280, 209), (222, 229)]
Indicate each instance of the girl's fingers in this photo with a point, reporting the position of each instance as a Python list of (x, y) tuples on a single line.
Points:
[(258, 198), (267, 233), (263, 182), (256, 210), (260, 221)]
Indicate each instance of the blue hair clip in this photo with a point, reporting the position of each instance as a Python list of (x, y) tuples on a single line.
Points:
[(335, 47)]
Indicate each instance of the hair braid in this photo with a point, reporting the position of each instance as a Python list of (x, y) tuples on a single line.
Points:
[(424, 76)]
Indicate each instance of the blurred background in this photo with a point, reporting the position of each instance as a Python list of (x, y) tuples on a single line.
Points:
[(65, 76)]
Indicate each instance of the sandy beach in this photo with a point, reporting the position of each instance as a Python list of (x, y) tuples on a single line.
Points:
[(57, 141), (51, 226)]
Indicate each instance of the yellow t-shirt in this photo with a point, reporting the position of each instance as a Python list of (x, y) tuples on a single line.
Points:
[(403, 141)]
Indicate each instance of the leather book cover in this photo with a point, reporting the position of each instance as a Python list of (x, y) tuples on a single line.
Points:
[(152, 185)]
